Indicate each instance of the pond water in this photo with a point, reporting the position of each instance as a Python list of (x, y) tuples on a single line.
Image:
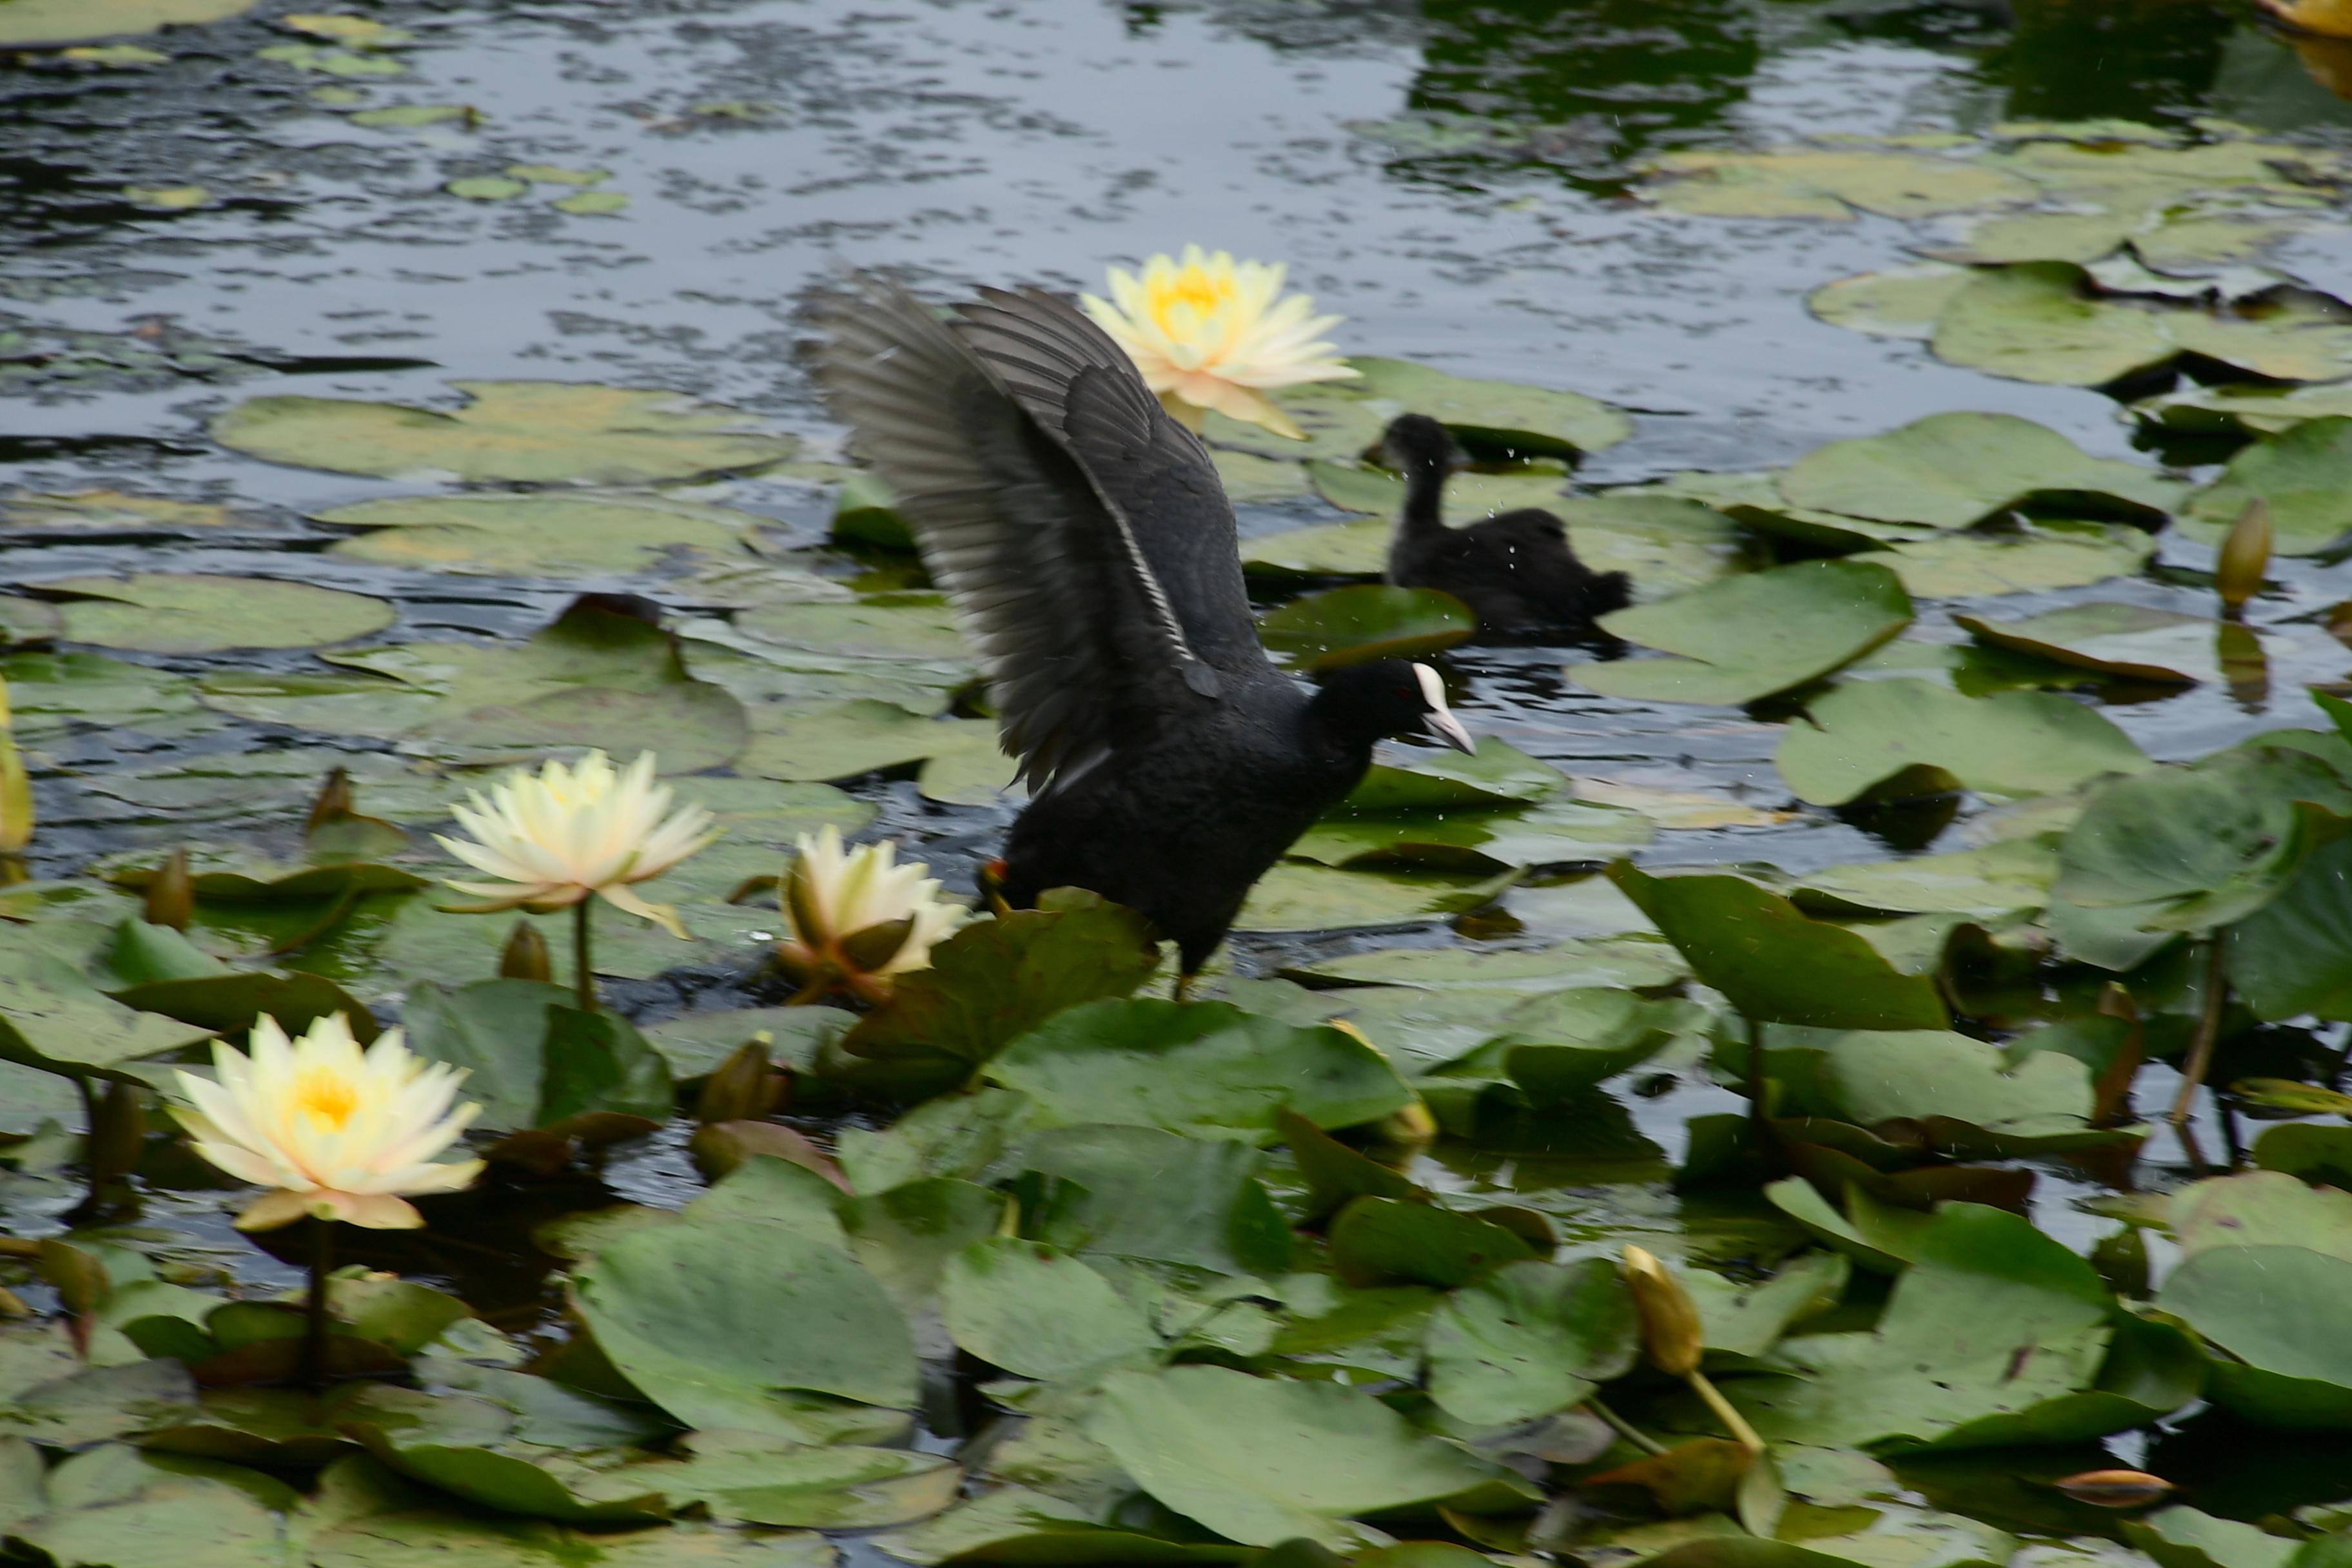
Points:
[(1465, 182)]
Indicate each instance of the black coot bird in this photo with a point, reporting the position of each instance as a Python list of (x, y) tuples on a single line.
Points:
[(1517, 571), (1090, 552)]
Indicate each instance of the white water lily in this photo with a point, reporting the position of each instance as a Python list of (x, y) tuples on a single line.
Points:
[(858, 913), (555, 837), (338, 1132), (1208, 331)]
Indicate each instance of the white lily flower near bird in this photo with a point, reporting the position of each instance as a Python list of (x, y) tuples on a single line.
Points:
[(858, 916), (1210, 332)]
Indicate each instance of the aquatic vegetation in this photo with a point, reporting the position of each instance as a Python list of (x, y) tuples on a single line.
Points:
[(858, 916), (335, 1131), (1210, 333)]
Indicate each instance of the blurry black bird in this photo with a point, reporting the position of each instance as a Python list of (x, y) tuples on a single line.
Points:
[(1088, 548), (1515, 571)]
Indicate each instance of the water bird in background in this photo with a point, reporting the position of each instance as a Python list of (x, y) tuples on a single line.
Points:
[(1517, 571), (1088, 545)]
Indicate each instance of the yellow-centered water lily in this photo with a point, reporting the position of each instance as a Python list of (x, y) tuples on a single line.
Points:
[(555, 837), (340, 1133), (859, 915), (1208, 331)]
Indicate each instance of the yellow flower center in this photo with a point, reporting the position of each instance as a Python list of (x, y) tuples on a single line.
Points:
[(1195, 290), (327, 1098)]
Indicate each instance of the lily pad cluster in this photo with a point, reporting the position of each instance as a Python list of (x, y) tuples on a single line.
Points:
[(2076, 255)]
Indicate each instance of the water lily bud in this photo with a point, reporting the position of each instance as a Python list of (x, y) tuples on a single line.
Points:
[(2245, 556), (1670, 1326), (525, 956), (857, 916), (743, 1088), (16, 788), (171, 894), (117, 1133), (333, 802), (2114, 1488)]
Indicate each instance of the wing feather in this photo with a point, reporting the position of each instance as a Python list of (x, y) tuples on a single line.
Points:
[(1075, 633)]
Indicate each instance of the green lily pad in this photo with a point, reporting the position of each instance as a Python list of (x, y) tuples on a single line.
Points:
[(1631, 961), (2043, 237), (1202, 1068), (1827, 185), (160, 612), (2261, 1208), (1469, 497), (1868, 734), (1528, 420), (1140, 1194), (1749, 636), (845, 740), (1326, 550), (770, 1481), (1992, 1336), (1019, 1524), (1295, 896), (2040, 556), (537, 534), (34, 24), (903, 627), (485, 188), (1348, 625), (2276, 1309), (516, 432), (2039, 322), (1263, 1460), (2294, 955), (1949, 470), (66, 1029), (2187, 849), (2300, 473), (992, 982), (1774, 963), (1530, 1339), (1961, 1093), (1992, 879), (1036, 1311), (721, 1323), (2134, 641), (1902, 302), (109, 511), (2245, 410)]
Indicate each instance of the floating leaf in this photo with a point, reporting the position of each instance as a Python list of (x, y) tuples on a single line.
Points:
[(1530, 1339), (1203, 1069), (1949, 470), (1775, 965), (516, 432), (535, 534), (1293, 896), (1264, 1460), (159, 612), (1902, 302), (1870, 734), (1036, 1311), (1962, 1094), (2275, 1309), (1153, 1196), (1749, 636), (724, 1323), (1349, 626), (2301, 474), (2132, 641), (2040, 556), (593, 204), (1827, 185)]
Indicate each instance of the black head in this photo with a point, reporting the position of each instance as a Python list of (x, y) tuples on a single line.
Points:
[(1367, 702), (1415, 442)]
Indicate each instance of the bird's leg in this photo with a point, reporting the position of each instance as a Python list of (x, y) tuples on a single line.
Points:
[(990, 878), (1182, 990)]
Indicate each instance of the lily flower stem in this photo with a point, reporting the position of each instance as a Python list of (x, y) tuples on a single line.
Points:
[(314, 1321), (2208, 1029), (1741, 1432), (583, 972), (1624, 1428)]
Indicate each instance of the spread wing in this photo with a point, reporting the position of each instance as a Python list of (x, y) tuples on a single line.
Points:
[(1076, 633), (1072, 378)]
